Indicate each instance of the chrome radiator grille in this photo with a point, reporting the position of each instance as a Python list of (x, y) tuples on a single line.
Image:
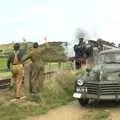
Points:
[(103, 89)]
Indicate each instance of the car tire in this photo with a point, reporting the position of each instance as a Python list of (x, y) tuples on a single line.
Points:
[(83, 102)]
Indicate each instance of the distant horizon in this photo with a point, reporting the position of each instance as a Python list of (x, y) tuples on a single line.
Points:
[(55, 41)]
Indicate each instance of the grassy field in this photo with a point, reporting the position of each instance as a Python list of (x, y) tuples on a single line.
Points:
[(3, 63)]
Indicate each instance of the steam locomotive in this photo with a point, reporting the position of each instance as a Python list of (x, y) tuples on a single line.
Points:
[(87, 53)]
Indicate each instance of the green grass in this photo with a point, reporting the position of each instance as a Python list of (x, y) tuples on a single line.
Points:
[(102, 115), (3, 63), (5, 75), (97, 115), (57, 91)]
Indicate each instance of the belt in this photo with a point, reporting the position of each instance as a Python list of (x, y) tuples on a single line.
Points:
[(16, 64)]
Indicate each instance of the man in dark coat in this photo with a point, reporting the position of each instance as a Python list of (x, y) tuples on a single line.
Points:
[(14, 63)]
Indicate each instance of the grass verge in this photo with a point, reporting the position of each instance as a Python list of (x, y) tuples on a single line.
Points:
[(57, 91)]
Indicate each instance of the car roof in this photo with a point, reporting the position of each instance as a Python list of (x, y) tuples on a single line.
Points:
[(113, 50)]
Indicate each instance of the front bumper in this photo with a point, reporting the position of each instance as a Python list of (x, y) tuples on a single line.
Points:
[(96, 97), (77, 95), (103, 90)]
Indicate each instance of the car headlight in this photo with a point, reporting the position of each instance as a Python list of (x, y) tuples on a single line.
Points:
[(79, 82)]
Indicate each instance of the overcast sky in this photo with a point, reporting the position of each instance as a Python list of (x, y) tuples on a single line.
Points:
[(58, 19)]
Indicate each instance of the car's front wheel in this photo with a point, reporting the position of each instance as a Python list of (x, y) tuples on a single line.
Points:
[(83, 102)]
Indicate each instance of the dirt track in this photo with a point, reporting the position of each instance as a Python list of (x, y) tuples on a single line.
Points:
[(68, 112), (74, 111)]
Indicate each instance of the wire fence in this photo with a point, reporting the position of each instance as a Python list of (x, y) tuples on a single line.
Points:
[(51, 69)]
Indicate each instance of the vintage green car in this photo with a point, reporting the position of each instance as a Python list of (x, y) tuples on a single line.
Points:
[(102, 82)]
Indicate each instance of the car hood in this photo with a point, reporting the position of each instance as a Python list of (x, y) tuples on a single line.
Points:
[(107, 68), (110, 68)]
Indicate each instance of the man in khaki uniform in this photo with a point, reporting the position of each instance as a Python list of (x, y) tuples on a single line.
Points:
[(36, 71), (14, 63)]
